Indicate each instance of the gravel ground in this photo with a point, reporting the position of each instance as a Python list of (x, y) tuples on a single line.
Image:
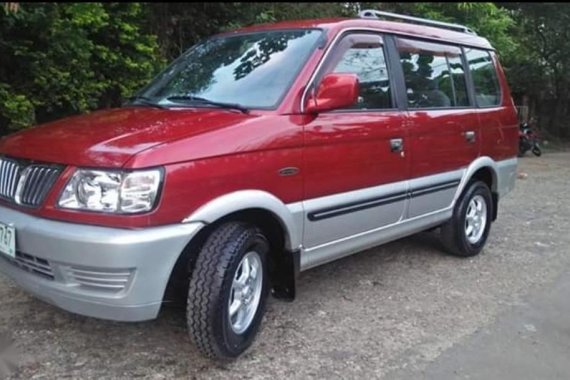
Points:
[(393, 308)]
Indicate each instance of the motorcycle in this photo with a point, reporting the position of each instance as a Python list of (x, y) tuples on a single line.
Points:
[(528, 140)]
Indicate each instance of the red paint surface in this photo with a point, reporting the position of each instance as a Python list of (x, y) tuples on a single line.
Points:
[(335, 91), (351, 150), (110, 138), (437, 140)]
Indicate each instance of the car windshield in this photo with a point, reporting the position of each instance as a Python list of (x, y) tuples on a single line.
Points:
[(251, 70)]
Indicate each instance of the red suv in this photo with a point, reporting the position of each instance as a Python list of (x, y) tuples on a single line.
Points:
[(257, 154)]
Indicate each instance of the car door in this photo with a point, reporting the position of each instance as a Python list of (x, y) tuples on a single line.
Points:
[(444, 128), (355, 159), (499, 128)]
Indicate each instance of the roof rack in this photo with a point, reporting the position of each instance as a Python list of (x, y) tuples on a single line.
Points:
[(372, 13)]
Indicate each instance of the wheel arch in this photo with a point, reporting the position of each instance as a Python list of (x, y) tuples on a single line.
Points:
[(484, 169), (244, 200), (267, 212)]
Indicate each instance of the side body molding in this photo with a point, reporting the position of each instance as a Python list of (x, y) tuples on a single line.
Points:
[(254, 199)]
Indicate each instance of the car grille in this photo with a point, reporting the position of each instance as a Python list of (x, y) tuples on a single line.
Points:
[(26, 183), (32, 264), (110, 281)]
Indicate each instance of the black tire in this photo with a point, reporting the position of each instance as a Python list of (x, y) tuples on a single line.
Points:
[(453, 234), (536, 151), (522, 149), (210, 287)]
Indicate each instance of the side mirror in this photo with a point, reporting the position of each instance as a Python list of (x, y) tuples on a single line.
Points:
[(336, 90)]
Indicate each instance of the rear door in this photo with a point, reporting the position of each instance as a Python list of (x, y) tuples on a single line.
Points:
[(499, 126), (444, 127), (356, 167)]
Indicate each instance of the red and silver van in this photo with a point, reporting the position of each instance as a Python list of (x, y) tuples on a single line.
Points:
[(257, 154)]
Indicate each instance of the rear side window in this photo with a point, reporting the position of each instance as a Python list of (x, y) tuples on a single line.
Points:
[(363, 55), (434, 74), (487, 92)]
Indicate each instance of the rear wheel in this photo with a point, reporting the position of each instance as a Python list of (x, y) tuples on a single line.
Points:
[(522, 148), (228, 290), (466, 232)]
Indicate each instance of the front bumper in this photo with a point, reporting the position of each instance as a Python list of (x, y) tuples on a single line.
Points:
[(100, 272)]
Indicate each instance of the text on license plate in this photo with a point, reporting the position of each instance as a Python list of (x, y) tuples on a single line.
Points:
[(7, 240)]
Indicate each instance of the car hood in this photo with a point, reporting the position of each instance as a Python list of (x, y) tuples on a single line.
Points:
[(110, 138)]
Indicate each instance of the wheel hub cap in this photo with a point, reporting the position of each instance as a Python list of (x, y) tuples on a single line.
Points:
[(246, 292), (476, 219)]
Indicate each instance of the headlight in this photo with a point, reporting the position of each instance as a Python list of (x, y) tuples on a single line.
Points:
[(111, 191)]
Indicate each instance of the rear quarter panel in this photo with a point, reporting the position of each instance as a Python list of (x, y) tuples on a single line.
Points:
[(499, 125)]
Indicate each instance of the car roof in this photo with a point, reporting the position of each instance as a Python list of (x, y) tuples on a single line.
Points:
[(335, 25)]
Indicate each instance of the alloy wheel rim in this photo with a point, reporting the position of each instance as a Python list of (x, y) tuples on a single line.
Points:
[(476, 219), (245, 293)]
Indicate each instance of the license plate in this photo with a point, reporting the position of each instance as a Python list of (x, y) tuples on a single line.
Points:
[(7, 240)]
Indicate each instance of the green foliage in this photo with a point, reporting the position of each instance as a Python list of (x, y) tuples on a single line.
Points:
[(16, 107), (58, 59), (61, 59), (180, 25), (543, 62), (486, 19)]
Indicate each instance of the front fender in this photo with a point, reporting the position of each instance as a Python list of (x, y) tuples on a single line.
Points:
[(290, 216)]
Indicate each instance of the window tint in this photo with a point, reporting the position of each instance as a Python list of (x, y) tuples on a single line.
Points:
[(367, 61), (433, 73), (484, 77)]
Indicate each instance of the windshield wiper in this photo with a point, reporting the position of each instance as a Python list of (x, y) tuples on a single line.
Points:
[(143, 100), (198, 99)]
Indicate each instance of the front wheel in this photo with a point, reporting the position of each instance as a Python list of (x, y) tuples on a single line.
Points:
[(466, 232), (536, 150), (228, 290)]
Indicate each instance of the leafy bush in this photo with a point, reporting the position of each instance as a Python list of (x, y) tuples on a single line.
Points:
[(61, 59)]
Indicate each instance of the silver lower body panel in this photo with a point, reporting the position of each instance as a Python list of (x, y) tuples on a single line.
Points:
[(100, 272)]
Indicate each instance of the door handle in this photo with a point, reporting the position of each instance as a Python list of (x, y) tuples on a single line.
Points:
[(396, 145), (469, 136)]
